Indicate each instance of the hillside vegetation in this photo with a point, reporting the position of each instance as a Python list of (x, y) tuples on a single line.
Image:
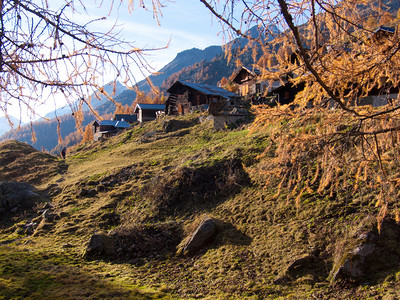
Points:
[(151, 186)]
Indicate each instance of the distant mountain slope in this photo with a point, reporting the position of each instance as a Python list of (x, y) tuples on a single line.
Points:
[(96, 101), (182, 60), (46, 131), (5, 125)]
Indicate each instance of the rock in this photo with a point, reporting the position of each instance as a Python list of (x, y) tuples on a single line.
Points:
[(15, 195), (203, 234), (369, 253), (297, 268), (99, 244)]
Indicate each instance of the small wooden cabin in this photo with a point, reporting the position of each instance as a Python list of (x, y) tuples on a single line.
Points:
[(147, 112), (187, 96), (249, 82), (107, 128), (252, 88)]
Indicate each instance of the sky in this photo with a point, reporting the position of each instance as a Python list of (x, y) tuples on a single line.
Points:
[(184, 24)]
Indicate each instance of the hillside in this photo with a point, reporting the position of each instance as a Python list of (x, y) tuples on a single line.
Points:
[(149, 188)]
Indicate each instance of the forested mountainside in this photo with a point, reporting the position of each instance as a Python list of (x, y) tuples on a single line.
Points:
[(97, 99), (44, 135)]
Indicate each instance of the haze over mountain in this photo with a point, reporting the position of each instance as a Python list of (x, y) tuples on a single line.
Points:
[(97, 99), (5, 125)]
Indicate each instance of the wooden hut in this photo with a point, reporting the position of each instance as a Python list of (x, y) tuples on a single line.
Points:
[(186, 96), (147, 112), (107, 128)]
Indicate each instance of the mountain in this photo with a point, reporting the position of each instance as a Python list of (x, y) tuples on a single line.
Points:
[(46, 132), (97, 99), (5, 125), (182, 60)]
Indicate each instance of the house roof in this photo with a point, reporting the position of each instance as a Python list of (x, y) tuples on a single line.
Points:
[(116, 124), (149, 106), (386, 29), (107, 122), (204, 89), (122, 124), (126, 117)]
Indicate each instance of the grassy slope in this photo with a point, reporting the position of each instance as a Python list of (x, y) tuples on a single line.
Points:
[(147, 175)]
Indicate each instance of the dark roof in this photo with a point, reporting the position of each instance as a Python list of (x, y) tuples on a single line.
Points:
[(204, 89), (116, 124), (386, 28), (122, 124), (150, 106), (126, 117), (243, 69), (108, 122)]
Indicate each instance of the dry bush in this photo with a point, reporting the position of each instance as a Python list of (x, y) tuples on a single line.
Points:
[(331, 152), (191, 189)]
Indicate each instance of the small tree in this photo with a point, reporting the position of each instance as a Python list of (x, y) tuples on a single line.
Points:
[(88, 134)]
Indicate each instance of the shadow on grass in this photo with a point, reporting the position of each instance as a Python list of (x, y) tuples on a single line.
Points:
[(36, 275)]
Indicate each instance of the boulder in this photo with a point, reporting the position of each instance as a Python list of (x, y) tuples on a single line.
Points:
[(369, 253), (15, 195), (100, 244), (200, 237), (298, 268)]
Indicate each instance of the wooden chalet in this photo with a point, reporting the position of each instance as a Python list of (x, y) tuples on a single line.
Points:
[(185, 97), (262, 91), (108, 128), (249, 83), (147, 112)]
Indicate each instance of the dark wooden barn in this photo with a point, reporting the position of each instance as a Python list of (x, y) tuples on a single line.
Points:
[(147, 112), (186, 96), (107, 128)]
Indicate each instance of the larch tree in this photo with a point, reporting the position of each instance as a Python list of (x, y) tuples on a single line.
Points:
[(49, 48), (341, 55)]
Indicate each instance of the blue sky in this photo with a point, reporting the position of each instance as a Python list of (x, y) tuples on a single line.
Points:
[(186, 24)]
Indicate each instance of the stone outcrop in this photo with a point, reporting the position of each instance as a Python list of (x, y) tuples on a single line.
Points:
[(100, 244), (369, 253), (200, 237), (15, 196)]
